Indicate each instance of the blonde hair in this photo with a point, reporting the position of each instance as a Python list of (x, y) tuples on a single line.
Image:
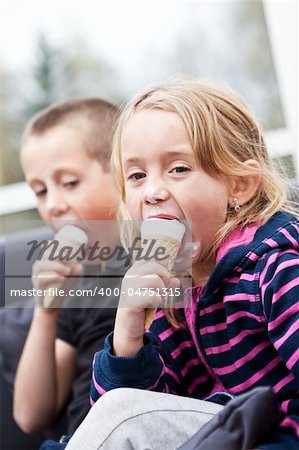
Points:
[(223, 134)]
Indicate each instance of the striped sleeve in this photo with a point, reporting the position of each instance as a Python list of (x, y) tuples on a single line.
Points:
[(168, 362), (145, 370), (280, 297)]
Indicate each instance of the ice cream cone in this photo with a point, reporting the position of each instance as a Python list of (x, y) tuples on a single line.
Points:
[(165, 234), (73, 237)]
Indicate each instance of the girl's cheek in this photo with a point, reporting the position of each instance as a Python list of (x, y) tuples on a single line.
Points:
[(129, 203), (134, 208)]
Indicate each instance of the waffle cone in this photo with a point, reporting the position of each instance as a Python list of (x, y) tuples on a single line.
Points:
[(149, 317), (171, 247)]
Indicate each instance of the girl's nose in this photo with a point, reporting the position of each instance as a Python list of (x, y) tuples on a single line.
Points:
[(157, 195)]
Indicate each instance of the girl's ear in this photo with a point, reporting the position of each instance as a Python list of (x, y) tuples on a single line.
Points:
[(242, 189)]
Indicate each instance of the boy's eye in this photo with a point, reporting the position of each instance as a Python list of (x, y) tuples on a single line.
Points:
[(40, 193), (71, 183), (136, 176)]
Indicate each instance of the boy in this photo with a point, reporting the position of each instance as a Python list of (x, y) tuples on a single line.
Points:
[(65, 157)]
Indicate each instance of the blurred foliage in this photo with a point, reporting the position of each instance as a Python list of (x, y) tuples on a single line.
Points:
[(237, 53), (253, 46), (73, 71), (10, 128), (44, 77), (19, 221), (286, 166), (57, 74)]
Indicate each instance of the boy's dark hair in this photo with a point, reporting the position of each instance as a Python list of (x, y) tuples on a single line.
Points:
[(93, 116)]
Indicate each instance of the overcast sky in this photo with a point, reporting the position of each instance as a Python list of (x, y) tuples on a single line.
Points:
[(131, 35), (116, 29)]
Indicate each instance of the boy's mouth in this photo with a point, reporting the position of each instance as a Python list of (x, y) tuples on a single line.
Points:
[(58, 224)]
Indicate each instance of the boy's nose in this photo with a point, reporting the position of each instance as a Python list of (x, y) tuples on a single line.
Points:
[(56, 205)]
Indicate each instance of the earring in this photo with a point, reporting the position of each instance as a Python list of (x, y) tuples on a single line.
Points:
[(237, 207)]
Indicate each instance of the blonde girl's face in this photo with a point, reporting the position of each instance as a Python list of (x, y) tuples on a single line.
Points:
[(163, 179)]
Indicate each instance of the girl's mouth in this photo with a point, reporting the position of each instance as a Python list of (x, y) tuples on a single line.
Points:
[(162, 216)]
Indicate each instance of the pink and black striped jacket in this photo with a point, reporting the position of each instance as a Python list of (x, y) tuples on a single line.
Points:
[(242, 330)]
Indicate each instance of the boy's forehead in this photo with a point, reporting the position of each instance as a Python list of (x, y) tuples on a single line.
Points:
[(59, 146), (60, 135)]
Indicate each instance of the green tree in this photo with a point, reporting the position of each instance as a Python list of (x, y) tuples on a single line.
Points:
[(44, 78), (69, 71), (57, 73), (10, 128)]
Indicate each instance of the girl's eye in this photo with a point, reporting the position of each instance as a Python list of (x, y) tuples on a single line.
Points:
[(179, 169), (136, 176)]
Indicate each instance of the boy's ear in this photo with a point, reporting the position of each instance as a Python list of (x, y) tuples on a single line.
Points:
[(244, 188)]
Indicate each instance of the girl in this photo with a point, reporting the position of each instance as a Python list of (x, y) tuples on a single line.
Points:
[(189, 151)]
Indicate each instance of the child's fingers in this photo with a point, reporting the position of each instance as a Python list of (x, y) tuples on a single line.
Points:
[(47, 280), (142, 291), (41, 267), (174, 282), (46, 273), (148, 267), (151, 268), (77, 269)]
